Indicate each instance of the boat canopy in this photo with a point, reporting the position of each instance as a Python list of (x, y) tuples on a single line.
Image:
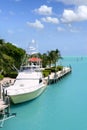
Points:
[(35, 59)]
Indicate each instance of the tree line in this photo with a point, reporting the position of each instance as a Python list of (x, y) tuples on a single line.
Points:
[(11, 57)]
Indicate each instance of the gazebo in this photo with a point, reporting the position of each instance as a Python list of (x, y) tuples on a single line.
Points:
[(35, 61)]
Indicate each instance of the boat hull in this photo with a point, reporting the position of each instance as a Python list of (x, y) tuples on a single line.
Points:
[(26, 96)]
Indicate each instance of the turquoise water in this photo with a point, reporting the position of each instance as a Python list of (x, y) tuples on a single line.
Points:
[(63, 106)]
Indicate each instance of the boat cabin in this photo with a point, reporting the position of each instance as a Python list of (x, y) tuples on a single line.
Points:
[(33, 63)]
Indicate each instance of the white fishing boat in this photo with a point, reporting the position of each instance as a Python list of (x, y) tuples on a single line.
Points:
[(29, 83)]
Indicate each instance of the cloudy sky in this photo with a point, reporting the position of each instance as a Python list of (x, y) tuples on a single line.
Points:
[(53, 24)]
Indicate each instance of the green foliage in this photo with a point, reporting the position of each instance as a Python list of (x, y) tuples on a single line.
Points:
[(15, 53), (51, 58), (13, 74), (59, 68), (44, 60), (46, 72), (10, 56), (1, 77)]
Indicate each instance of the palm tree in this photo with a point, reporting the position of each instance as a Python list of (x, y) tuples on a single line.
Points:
[(53, 57), (44, 60), (57, 56), (50, 58)]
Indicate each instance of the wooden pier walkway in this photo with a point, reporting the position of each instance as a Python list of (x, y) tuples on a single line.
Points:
[(5, 113), (4, 100), (54, 77), (3, 106)]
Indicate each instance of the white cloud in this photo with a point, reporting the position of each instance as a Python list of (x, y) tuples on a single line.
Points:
[(44, 10), (37, 24), (60, 29), (68, 16), (74, 30), (74, 2), (80, 14), (50, 20)]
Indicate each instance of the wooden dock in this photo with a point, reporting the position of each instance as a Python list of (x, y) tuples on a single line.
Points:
[(54, 77), (3, 106), (4, 101)]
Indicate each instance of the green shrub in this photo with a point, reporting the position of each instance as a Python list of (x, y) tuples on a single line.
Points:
[(46, 72), (13, 74), (53, 69), (59, 68), (1, 77)]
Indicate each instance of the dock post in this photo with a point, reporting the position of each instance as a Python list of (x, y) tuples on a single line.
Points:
[(0, 91), (7, 102), (3, 94), (48, 80)]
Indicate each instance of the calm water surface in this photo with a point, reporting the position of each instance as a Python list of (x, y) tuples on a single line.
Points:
[(63, 106)]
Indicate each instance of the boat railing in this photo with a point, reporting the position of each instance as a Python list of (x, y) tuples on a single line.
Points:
[(25, 89), (30, 68)]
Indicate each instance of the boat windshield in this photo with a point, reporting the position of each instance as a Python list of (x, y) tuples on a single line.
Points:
[(34, 68)]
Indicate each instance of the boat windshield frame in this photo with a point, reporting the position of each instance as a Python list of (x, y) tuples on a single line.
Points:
[(29, 68)]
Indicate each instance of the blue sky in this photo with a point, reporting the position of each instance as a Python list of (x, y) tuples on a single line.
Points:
[(53, 24)]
